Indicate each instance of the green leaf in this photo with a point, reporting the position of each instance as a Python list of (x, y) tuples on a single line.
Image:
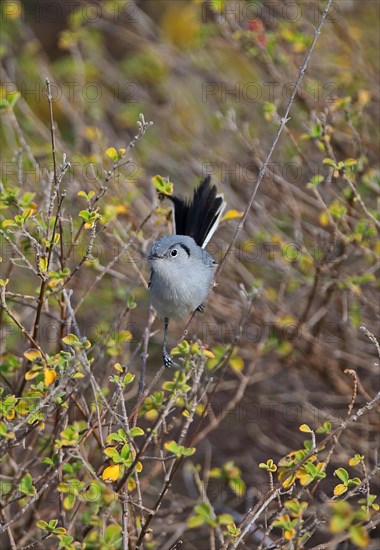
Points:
[(71, 340), (172, 447), (131, 303), (204, 510), (85, 214), (162, 186), (26, 485), (233, 530), (354, 481), (325, 429), (337, 210), (53, 523), (128, 378), (111, 452), (225, 519), (342, 474), (359, 536), (315, 180), (188, 451), (112, 534), (195, 521), (330, 162), (136, 431), (59, 531), (12, 98)]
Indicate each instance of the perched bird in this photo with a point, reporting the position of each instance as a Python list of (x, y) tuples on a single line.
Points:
[(182, 271)]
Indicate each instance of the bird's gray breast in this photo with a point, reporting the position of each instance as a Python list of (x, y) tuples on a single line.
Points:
[(177, 290)]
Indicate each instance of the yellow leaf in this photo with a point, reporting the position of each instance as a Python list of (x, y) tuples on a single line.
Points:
[(9, 223), (12, 10), (289, 534), (49, 376), (31, 374), (199, 409), (232, 215), (324, 219), (32, 354), (304, 478), (286, 321), (41, 426), (288, 482), (339, 489), (181, 25), (271, 294), (125, 336), (305, 428), (92, 133), (236, 363), (111, 473), (23, 408), (54, 282), (10, 415), (277, 239), (151, 415), (131, 484), (363, 97), (112, 153), (43, 263)]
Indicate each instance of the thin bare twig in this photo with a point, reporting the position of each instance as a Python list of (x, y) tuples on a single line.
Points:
[(283, 123)]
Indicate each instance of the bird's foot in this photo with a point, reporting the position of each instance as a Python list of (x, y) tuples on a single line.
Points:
[(201, 308), (167, 360)]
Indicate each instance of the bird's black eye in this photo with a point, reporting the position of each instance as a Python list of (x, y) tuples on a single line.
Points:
[(173, 253)]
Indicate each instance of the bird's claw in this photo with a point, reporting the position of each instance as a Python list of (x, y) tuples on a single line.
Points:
[(167, 360)]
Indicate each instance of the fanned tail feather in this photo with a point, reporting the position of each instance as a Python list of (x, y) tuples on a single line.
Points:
[(199, 217)]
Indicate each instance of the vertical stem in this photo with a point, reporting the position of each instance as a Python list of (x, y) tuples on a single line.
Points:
[(144, 354), (125, 520)]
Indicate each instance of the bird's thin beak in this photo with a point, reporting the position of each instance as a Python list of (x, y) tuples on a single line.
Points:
[(152, 257)]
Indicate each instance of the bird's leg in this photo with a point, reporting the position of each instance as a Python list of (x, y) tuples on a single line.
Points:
[(165, 355)]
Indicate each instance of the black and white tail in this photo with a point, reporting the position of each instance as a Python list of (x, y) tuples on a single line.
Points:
[(199, 217)]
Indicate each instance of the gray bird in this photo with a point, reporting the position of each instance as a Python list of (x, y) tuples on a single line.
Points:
[(182, 272)]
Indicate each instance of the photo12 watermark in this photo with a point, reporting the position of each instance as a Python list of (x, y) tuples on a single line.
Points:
[(88, 13), (269, 91), (235, 11)]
